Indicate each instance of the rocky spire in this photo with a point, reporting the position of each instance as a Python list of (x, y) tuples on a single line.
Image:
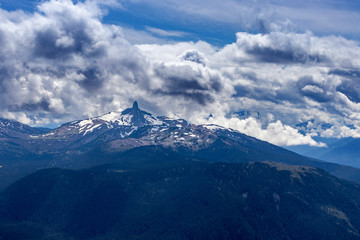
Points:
[(135, 105)]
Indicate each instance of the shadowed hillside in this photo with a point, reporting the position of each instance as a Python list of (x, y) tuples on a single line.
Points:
[(157, 194)]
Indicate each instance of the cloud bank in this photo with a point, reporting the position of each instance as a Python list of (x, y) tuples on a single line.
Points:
[(62, 63)]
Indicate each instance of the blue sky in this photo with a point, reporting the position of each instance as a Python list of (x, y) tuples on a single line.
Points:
[(217, 21), (287, 72)]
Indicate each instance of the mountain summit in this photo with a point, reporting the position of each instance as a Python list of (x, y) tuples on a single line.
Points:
[(135, 105), (138, 117), (129, 117)]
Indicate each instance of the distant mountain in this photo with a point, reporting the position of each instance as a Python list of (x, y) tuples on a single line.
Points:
[(155, 193), (342, 151), (347, 152), (13, 138), (102, 139), (14, 129)]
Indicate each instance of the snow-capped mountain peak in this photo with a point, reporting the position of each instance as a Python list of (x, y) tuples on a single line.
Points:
[(124, 122), (130, 117)]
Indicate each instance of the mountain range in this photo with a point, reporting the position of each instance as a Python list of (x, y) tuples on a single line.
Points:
[(93, 141)]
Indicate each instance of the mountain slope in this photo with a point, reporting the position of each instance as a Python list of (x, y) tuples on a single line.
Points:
[(154, 193)]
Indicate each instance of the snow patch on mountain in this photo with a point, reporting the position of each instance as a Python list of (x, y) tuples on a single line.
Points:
[(91, 129), (85, 122), (116, 117), (153, 120)]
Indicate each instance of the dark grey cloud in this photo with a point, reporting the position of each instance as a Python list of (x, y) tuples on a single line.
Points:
[(42, 105), (293, 92), (251, 76), (5, 73), (279, 96), (64, 40), (307, 87), (254, 92), (285, 48), (287, 94), (274, 93), (192, 84), (350, 85), (194, 56), (45, 45), (284, 56), (201, 98), (352, 74), (321, 98), (93, 80), (2, 43), (351, 90), (181, 84)]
